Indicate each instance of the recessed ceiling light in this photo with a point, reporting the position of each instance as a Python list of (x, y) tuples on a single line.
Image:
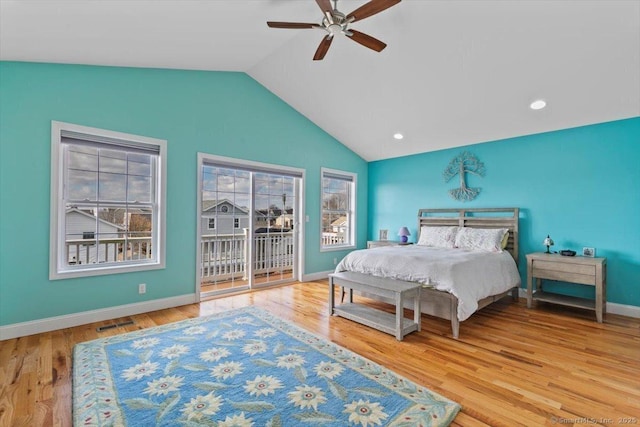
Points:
[(398, 136), (538, 104)]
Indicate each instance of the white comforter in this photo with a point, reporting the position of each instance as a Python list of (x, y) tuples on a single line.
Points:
[(469, 275)]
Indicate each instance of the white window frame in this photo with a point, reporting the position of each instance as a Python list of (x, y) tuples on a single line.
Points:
[(236, 222), (58, 268), (351, 214), (209, 227)]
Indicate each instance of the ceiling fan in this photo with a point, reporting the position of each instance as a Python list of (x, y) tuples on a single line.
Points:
[(335, 22)]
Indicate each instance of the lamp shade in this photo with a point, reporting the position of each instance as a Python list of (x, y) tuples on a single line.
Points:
[(403, 233)]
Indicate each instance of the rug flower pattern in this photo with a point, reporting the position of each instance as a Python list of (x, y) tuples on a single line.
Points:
[(243, 367)]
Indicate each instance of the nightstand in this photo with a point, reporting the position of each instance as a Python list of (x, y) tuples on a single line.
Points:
[(580, 270), (378, 243)]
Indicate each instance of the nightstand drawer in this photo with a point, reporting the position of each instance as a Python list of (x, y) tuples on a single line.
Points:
[(566, 267), (564, 276)]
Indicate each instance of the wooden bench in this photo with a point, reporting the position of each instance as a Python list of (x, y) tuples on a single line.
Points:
[(396, 290)]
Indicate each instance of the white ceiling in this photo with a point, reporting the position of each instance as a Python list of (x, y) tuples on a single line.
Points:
[(454, 72)]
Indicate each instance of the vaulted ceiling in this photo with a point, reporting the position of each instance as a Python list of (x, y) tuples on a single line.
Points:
[(454, 72)]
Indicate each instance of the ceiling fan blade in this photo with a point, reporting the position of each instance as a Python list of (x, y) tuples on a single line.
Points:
[(366, 40), (323, 48), (295, 25), (325, 5), (371, 8)]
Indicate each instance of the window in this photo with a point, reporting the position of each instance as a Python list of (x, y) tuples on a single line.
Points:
[(107, 210), (245, 253), (225, 209), (338, 210), (212, 223)]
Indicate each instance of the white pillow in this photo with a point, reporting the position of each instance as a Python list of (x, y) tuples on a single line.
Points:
[(483, 239), (438, 237)]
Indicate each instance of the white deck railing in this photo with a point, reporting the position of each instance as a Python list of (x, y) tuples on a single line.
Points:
[(224, 256), (92, 251), (332, 239)]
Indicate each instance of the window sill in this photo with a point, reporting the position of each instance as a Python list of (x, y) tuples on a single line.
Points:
[(104, 271)]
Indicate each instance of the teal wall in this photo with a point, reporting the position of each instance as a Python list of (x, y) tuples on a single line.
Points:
[(580, 185), (227, 114)]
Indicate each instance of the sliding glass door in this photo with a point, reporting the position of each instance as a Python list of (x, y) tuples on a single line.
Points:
[(224, 228), (248, 225), (274, 228)]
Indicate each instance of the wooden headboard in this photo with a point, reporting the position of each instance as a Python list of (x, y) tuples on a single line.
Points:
[(475, 218)]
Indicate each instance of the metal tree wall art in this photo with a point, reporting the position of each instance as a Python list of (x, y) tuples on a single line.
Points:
[(461, 164)]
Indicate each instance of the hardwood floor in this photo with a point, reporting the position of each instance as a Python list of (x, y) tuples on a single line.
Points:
[(511, 365)]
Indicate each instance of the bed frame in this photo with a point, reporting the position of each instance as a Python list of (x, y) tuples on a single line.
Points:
[(443, 304)]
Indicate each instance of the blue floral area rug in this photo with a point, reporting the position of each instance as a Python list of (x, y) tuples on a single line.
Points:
[(243, 367)]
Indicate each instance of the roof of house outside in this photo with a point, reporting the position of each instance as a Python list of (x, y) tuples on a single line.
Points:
[(208, 205), (88, 215), (275, 212), (340, 221)]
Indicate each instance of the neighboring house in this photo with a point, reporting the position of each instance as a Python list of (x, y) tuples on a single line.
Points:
[(277, 218), (285, 219), (224, 217), (81, 235), (337, 233), (82, 225), (339, 226)]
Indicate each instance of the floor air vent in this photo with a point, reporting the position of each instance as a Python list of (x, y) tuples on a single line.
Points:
[(114, 325)]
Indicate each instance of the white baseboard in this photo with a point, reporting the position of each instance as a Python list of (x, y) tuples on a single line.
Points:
[(623, 310), (69, 320), (612, 307), (316, 276)]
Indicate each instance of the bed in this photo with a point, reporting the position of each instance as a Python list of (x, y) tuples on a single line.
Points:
[(457, 282)]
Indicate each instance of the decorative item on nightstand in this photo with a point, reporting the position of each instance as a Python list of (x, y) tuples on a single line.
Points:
[(404, 234), (548, 241)]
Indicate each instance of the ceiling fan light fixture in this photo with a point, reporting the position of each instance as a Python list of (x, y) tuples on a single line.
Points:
[(335, 22), (538, 104), (334, 29), (398, 136)]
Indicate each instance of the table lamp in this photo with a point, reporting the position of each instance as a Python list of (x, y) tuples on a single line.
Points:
[(548, 241), (404, 233)]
